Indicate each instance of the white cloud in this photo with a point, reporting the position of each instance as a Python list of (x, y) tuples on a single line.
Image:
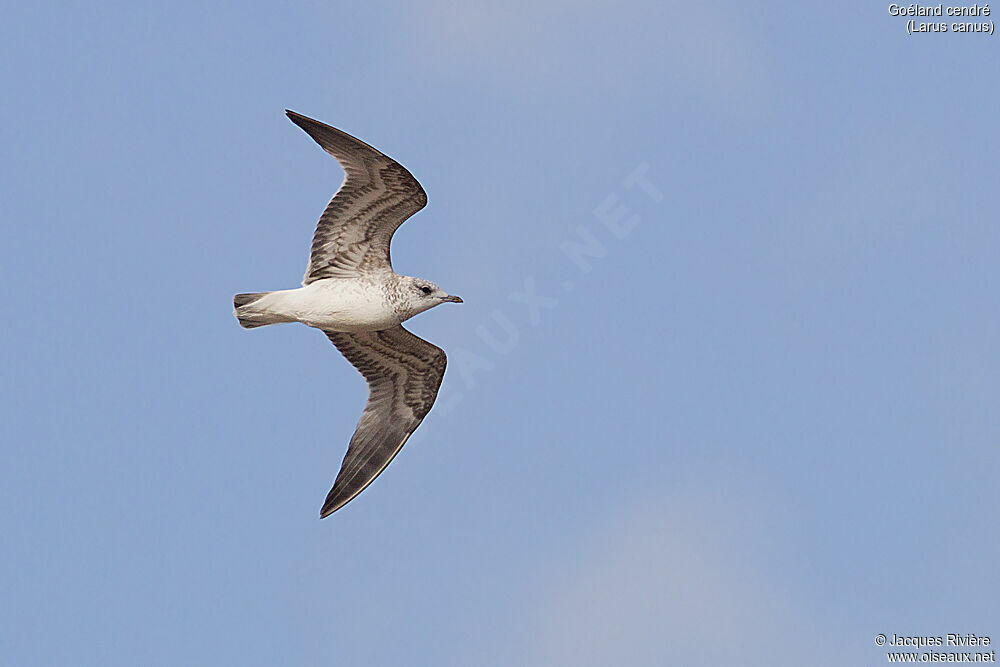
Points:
[(673, 583), (599, 40)]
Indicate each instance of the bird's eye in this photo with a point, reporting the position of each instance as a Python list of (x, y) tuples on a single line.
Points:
[(425, 289)]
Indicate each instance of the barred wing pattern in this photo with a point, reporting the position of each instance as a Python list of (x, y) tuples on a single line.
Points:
[(378, 194), (404, 373)]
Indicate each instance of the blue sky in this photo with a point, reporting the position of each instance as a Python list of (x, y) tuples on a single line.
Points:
[(753, 424)]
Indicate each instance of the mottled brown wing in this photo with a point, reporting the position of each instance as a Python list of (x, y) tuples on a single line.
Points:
[(377, 195), (404, 373)]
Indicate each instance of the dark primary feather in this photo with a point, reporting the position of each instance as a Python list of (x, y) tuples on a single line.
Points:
[(404, 373), (376, 197)]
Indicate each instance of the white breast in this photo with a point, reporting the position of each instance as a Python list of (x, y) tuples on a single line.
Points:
[(336, 304)]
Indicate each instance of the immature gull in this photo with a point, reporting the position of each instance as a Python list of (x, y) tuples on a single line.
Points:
[(351, 293)]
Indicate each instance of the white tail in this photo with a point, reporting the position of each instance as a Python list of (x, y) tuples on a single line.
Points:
[(252, 314)]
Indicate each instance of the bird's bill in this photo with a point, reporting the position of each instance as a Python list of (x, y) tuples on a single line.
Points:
[(453, 299)]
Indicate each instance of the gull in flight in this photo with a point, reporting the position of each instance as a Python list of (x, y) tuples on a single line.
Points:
[(351, 294)]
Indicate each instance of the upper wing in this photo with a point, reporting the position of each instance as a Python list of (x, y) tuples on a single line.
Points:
[(377, 195), (403, 372)]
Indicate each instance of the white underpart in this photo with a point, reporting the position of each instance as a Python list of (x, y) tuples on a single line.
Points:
[(334, 304)]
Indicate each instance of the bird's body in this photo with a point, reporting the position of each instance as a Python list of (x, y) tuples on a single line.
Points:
[(369, 303), (351, 293)]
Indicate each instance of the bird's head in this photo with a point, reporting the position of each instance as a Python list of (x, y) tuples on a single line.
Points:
[(420, 295)]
